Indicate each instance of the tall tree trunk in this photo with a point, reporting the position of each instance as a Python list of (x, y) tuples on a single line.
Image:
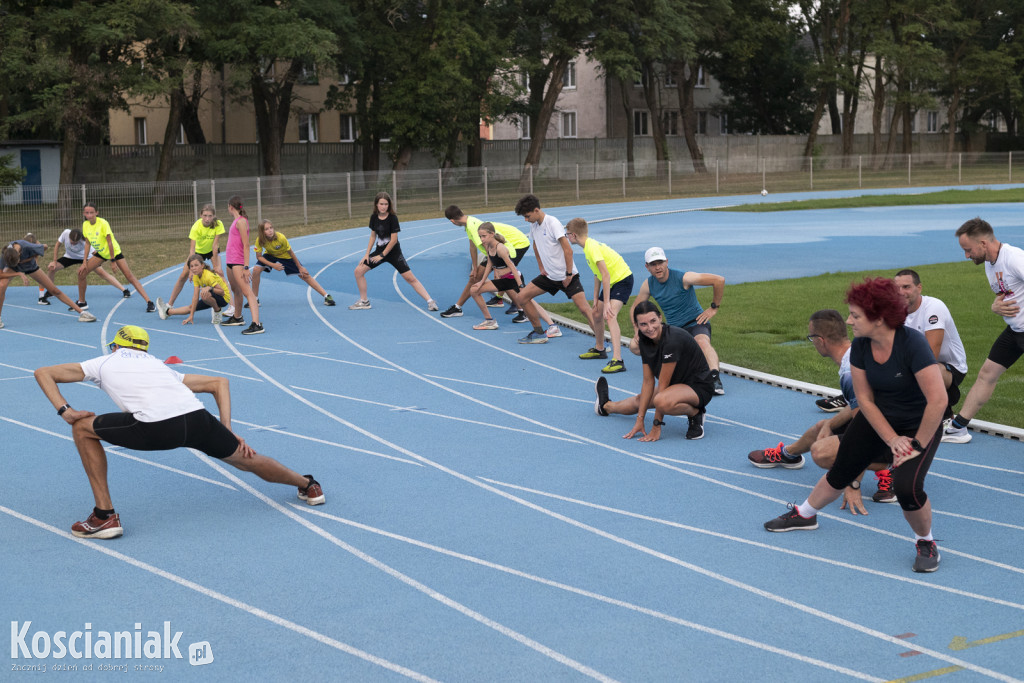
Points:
[(877, 109), (538, 134), (163, 171), (190, 112), (68, 202), (652, 95), (403, 158), (951, 110), (812, 134), (686, 80), (624, 94)]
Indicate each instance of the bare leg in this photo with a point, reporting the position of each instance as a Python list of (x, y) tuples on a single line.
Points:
[(41, 277), (267, 469), (311, 281), (678, 399), (920, 520), (983, 387), (94, 460), (360, 274), (178, 285), (122, 265), (102, 272), (416, 285), (709, 351)]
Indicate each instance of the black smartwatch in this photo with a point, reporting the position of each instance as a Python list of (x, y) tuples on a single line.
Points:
[(658, 423), (714, 305), (64, 408), (916, 445)]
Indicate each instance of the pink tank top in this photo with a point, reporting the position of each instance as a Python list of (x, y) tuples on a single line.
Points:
[(235, 252)]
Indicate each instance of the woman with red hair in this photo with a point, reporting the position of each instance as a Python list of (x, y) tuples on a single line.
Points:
[(902, 398)]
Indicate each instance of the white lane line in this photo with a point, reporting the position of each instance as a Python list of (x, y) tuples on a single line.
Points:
[(974, 483), (414, 409), (126, 456), (98, 546), (218, 371), (318, 355), (503, 388), (411, 582), (504, 630), (326, 443), (592, 595), (984, 467), (39, 336), (759, 544)]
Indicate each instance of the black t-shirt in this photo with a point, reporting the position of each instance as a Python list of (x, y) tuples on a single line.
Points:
[(893, 383), (384, 228), (676, 346)]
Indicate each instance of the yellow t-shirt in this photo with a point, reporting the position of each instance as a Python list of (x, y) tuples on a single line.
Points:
[(598, 251), (208, 278), (97, 233), (204, 236), (514, 239), (277, 247)]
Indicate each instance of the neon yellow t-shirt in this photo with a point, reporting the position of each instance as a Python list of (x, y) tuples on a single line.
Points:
[(208, 278), (598, 251), (204, 236), (277, 247), (514, 239), (97, 233)]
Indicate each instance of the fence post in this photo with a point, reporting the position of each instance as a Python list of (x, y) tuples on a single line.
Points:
[(860, 171), (485, 186), (623, 178), (213, 191), (531, 178), (1010, 171), (717, 161), (83, 197), (577, 182), (348, 192), (259, 200), (810, 165), (764, 174), (669, 178), (305, 206), (394, 190), (909, 181), (195, 199), (440, 199), (960, 168)]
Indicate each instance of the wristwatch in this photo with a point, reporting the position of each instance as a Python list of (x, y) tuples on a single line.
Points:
[(658, 423), (64, 408), (714, 305), (855, 485)]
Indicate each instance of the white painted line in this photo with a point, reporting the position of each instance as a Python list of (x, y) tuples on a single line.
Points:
[(39, 336), (318, 355), (326, 443)]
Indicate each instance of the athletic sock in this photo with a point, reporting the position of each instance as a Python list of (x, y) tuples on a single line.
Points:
[(102, 514), (924, 538), (806, 510), (785, 452), (959, 421), (538, 329)]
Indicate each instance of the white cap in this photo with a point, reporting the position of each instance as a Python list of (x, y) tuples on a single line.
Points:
[(655, 254)]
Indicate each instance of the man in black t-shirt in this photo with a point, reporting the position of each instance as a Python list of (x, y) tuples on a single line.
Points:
[(677, 379)]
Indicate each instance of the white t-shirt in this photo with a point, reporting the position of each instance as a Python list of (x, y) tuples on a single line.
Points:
[(932, 314), (545, 236), (72, 250), (1006, 276), (142, 385)]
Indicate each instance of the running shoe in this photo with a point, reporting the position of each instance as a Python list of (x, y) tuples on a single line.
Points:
[(254, 328), (431, 305), (594, 353), (46, 297), (495, 302), (927, 559), (329, 301), (228, 310), (216, 317), (126, 293), (453, 311), (695, 430), (94, 527), (885, 493), (360, 305), (792, 521), (951, 434), (1, 324), (775, 457), (534, 337), (831, 405), (520, 317), (313, 494), (81, 304), (162, 308), (247, 303), (552, 331), (717, 382), (602, 397), (487, 324), (232, 321), (86, 317), (614, 366), (150, 307), (43, 301), (513, 310)]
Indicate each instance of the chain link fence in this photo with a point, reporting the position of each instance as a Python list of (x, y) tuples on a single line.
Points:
[(149, 211)]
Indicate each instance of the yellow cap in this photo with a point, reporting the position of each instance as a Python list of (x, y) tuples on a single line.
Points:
[(131, 337)]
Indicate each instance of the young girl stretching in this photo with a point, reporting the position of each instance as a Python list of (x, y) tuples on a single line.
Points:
[(237, 257), (210, 292), (507, 277), (384, 247), (279, 256)]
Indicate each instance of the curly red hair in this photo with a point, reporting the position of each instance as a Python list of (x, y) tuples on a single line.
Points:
[(880, 299)]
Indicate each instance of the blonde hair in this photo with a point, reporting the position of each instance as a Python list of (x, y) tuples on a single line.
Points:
[(578, 227), (489, 227), (261, 238)]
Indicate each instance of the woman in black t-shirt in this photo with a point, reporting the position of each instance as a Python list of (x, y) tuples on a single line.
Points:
[(902, 398), (384, 248)]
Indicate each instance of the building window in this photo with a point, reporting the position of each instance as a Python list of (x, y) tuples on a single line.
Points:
[(933, 122), (640, 123), (701, 78), (993, 121), (568, 124), (670, 122), (670, 79), (524, 128), (180, 139), (309, 127), (569, 77), (723, 124), (524, 80), (702, 123), (140, 131), (308, 76), (348, 127)]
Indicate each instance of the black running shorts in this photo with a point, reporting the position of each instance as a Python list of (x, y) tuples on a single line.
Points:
[(198, 429)]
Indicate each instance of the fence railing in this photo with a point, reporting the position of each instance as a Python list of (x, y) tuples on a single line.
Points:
[(149, 210)]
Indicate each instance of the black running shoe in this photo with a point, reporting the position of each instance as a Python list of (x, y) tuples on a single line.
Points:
[(150, 307), (233, 321), (495, 302), (927, 559), (602, 396), (792, 521), (453, 311), (831, 405), (126, 294), (696, 429), (254, 328)]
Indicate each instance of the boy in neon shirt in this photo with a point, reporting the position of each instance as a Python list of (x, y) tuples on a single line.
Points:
[(613, 284)]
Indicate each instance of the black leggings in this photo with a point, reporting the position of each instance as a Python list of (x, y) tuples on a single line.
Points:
[(861, 445)]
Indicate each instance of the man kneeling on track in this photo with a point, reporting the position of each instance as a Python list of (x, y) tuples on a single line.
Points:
[(160, 412)]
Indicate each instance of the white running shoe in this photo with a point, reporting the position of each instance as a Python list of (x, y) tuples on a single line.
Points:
[(488, 324), (228, 310), (553, 332), (360, 305), (431, 305), (215, 316), (162, 308), (953, 435), (86, 317)]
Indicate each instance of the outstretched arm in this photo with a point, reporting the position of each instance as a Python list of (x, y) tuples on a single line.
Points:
[(219, 387)]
